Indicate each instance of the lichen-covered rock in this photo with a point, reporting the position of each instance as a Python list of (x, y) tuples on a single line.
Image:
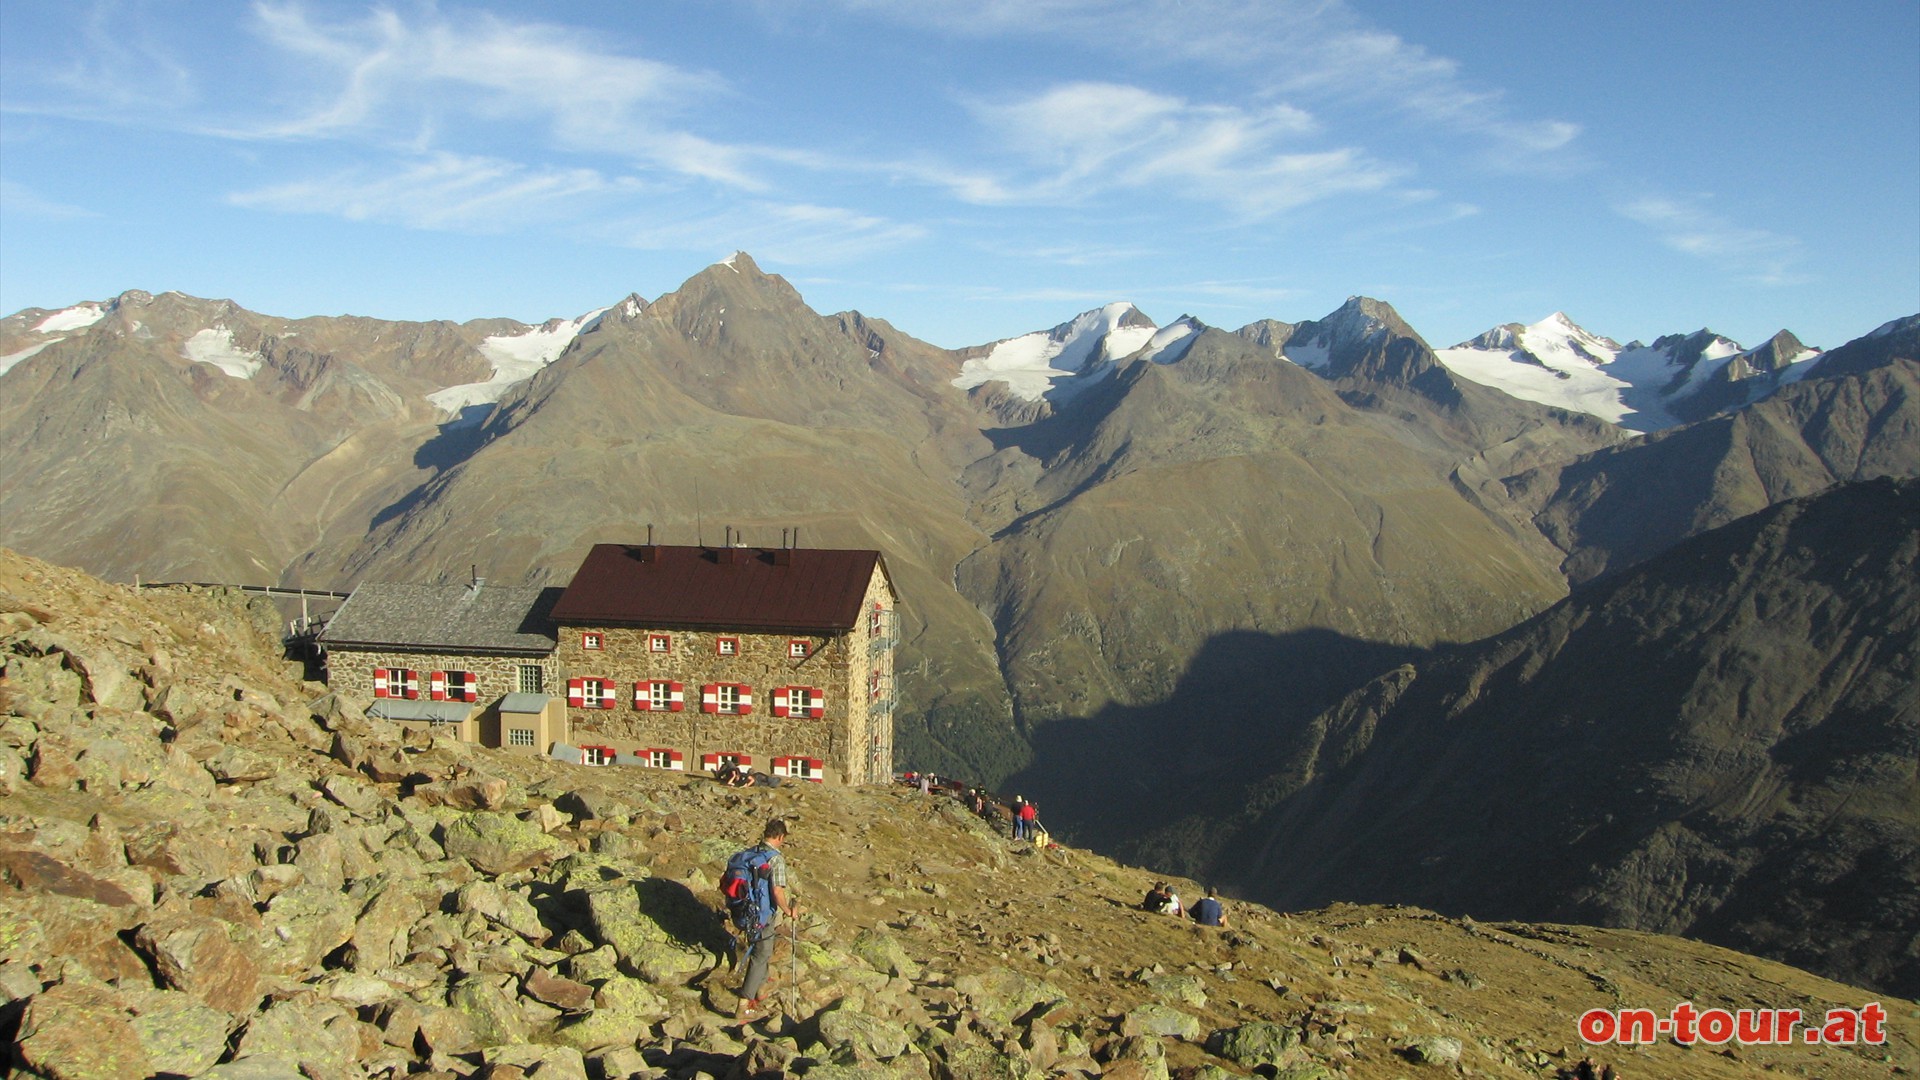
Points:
[(1434, 1050), (1003, 995), (499, 843), (1258, 1043), (181, 1034), (883, 953), (502, 907), (1154, 1018), (865, 1037), (81, 1031), (1188, 989), (205, 957), (322, 1038), (623, 1008), (496, 1020)]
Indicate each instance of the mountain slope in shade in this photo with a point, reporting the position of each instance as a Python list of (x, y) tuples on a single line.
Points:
[(1854, 415), (1721, 743), (1680, 377)]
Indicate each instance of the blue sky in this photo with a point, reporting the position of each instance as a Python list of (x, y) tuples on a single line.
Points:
[(971, 171)]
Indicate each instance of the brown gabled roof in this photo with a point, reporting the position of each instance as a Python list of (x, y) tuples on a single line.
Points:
[(753, 589)]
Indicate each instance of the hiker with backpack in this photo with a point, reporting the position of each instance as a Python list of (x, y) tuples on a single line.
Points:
[(755, 887)]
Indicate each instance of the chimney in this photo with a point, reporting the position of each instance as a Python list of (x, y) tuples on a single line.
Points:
[(477, 579), (649, 553)]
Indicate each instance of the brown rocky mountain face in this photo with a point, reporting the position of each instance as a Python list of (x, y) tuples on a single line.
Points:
[(1721, 742), (209, 867)]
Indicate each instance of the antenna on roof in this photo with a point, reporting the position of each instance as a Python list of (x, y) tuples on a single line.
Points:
[(699, 530), (783, 537), (649, 534)]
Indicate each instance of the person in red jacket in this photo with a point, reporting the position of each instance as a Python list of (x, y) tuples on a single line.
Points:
[(1024, 816)]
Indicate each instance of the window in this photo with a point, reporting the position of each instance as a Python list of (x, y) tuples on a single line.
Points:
[(726, 646), (799, 650), (799, 767), (596, 755), (799, 701), (529, 679), (713, 762), (455, 686), (659, 696), (590, 693), (664, 759), (519, 736), (874, 619), (396, 683), (659, 643), (733, 699), (592, 641)]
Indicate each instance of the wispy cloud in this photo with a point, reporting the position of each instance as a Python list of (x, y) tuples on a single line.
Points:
[(1077, 140), (20, 201), (1318, 50), (387, 75), (1759, 255), (443, 192)]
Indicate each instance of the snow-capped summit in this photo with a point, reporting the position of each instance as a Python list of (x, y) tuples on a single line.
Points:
[(1642, 387), (1058, 362)]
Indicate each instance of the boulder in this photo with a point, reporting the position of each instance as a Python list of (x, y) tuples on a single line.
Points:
[(1255, 1044), (884, 954), (471, 793), (180, 1034), (1004, 995), (1434, 1050), (862, 1037), (496, 1020), (622, 1008), (1156, 1019), (543, 985), (81, 1031), (204, 957), (502, 907), (499, 844)]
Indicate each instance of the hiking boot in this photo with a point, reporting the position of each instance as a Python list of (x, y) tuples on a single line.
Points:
[(747, 1009)]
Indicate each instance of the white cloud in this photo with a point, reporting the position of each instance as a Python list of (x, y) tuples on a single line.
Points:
[(1765, 257), (1318, 49), (443, 192), (387, 76), (1080, 139)]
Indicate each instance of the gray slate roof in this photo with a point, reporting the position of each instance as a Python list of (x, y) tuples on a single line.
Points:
[(460, 617), (442, 712), (524, 703)]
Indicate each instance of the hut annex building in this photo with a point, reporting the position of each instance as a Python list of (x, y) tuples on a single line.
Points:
[(656, 655)]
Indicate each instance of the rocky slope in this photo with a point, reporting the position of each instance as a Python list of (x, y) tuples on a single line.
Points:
[(209, 868), (1720, 743)]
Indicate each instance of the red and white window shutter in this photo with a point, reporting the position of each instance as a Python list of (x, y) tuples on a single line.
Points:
[(465, 686), (659, 696), (797, 701), (380, 682), (577, 693), (805, 768), (734, 699), (437, 685)]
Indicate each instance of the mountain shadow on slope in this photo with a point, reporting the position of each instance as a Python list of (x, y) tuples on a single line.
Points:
[(1241, 707), (1721, 743)]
